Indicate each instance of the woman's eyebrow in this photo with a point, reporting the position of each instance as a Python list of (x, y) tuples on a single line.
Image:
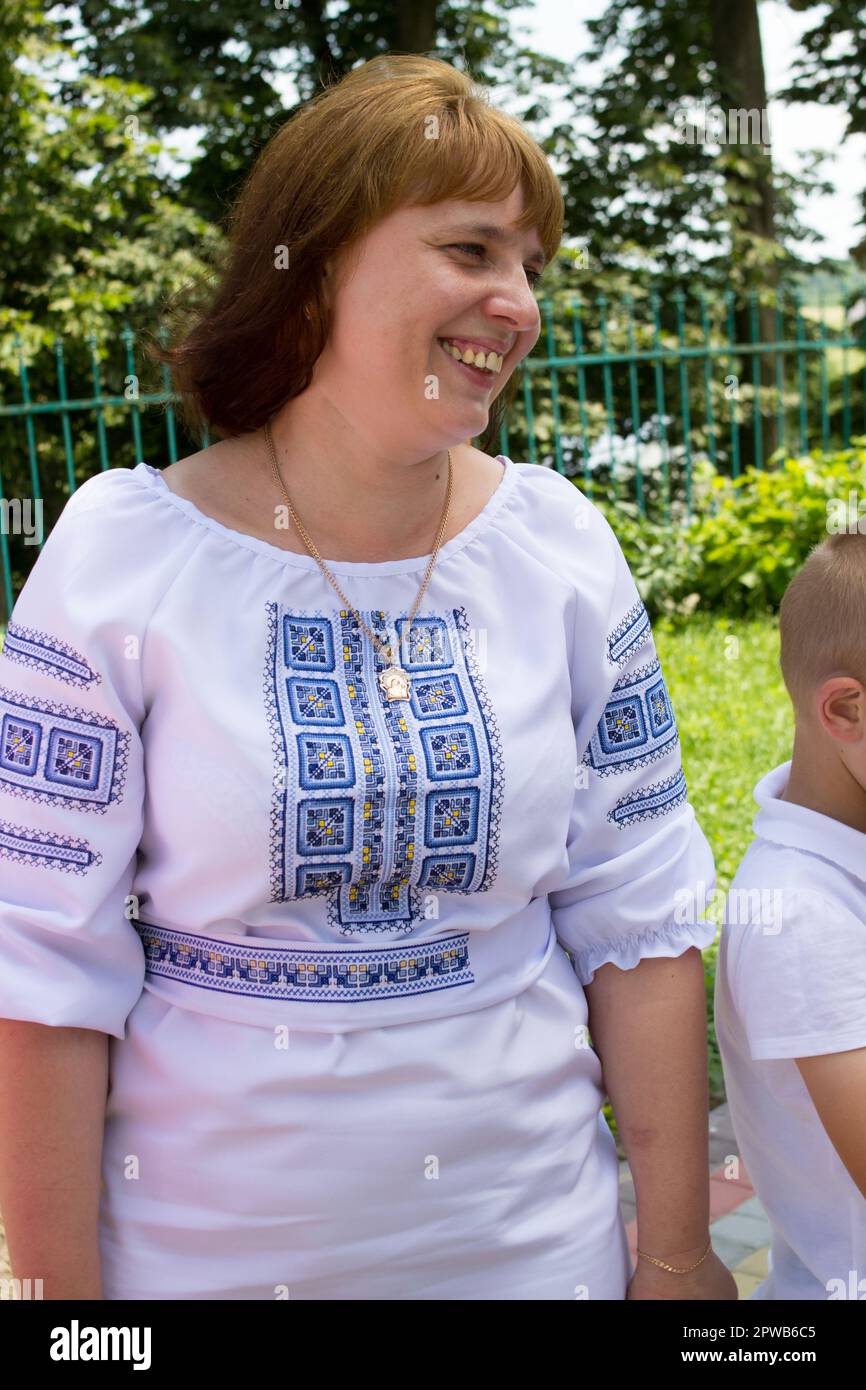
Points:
[(491, 232)]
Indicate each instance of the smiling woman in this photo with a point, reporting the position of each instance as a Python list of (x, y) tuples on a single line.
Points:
[(398, 132), (336, 880)]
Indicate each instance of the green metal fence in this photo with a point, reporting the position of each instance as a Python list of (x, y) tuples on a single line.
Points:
[(624, 396)]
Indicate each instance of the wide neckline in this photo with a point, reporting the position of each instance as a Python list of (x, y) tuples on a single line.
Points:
[(152, 478)]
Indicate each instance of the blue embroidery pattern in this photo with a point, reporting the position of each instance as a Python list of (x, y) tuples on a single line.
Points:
[(310, 974), (637, 726), (60, 753), (374, 801), (629, 635), (43, 847), (646, 802), (39, 649)]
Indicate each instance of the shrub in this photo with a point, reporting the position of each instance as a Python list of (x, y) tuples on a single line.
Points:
[(747, 537)]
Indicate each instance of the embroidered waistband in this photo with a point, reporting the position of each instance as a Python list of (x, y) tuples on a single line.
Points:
[(340, 986), (305, 972)]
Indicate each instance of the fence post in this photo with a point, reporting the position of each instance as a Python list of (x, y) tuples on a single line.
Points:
[(734, 397), (635, 405), (708, 380), (680, 302), (780, 374), (755, 330), (581, 394), (660, 404), (801, 368), (607, 380), (554, 385)]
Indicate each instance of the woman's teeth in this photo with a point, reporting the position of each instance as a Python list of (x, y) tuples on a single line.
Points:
[(486, 361)]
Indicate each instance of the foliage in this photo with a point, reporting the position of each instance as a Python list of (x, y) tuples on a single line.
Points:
[(89, 232), (749, 535), (235, 71), (91, 236), (649, 201)]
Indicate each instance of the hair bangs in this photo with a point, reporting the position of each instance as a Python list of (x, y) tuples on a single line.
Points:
[(482, 155)]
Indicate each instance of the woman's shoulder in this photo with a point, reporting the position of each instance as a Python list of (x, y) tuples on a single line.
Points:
[(558, 492), (105, 488), (561, 521), (115, 546), (567, 536), (122, 495)]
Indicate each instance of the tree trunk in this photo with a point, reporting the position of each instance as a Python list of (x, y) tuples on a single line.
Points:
[(736, 48), (415, 26)]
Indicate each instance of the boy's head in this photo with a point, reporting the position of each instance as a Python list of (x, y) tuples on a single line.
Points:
[(822, 625)]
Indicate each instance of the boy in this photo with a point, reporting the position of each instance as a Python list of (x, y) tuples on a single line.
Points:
[(790, 996)]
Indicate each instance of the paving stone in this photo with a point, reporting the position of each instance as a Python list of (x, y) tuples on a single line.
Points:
[(751, 1230), (757, 1263), (730, 1252), (746, 1285), (752, 1207)]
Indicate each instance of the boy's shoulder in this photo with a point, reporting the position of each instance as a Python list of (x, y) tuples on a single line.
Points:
[(794, 953), (779, 884)]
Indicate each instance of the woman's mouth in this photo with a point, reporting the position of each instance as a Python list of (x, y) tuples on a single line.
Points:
[(482, 375)]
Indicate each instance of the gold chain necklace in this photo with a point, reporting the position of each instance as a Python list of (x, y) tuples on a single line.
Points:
[(394, 681)]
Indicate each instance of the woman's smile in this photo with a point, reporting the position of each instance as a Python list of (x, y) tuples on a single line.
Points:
[(481, 376)]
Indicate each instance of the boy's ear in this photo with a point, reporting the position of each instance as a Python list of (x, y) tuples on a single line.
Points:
[(841, 707)]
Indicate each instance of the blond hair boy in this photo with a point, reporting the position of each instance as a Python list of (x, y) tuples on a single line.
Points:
[(790, 994)]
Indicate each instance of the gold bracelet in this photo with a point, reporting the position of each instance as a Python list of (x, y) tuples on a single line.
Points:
[(661, 1264)]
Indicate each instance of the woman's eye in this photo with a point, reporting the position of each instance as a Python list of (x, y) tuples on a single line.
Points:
[(473, 248), (470, 247)]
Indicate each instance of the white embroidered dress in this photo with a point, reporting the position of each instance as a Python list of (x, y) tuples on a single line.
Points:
[(349, 1056)]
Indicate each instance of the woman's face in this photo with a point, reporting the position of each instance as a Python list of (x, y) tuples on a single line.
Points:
[(421, 276)]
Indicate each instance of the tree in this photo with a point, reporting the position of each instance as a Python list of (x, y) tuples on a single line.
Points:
[(90, 237), (216, 64), (831, 69), (666, 189)]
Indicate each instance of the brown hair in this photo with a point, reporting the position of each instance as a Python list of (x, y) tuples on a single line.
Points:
[(347, 158), (822, 618)]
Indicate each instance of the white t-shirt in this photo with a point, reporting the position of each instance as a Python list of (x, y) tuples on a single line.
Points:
[(791, 982)]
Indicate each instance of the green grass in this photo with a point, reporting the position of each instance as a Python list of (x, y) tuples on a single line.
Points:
[(735, 723)]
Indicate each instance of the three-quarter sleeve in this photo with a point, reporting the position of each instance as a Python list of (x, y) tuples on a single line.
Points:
[(639, 869), (71, 774)]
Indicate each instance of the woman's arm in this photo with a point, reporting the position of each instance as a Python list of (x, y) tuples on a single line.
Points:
[(53, 1088), (649, 1028)]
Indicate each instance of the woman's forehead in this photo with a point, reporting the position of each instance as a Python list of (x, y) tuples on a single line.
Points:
[(492, 221)]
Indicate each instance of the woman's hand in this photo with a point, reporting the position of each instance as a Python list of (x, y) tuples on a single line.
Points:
[(711, 1280)]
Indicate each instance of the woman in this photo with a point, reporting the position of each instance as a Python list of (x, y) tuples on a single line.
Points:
[(310, 839)]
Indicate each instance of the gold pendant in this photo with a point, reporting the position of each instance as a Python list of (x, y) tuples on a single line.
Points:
[(395, 683)]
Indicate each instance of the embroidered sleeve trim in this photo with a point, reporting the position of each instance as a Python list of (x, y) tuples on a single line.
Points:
[(31, 647), (629, 635), (42, 847), (648, 802)]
